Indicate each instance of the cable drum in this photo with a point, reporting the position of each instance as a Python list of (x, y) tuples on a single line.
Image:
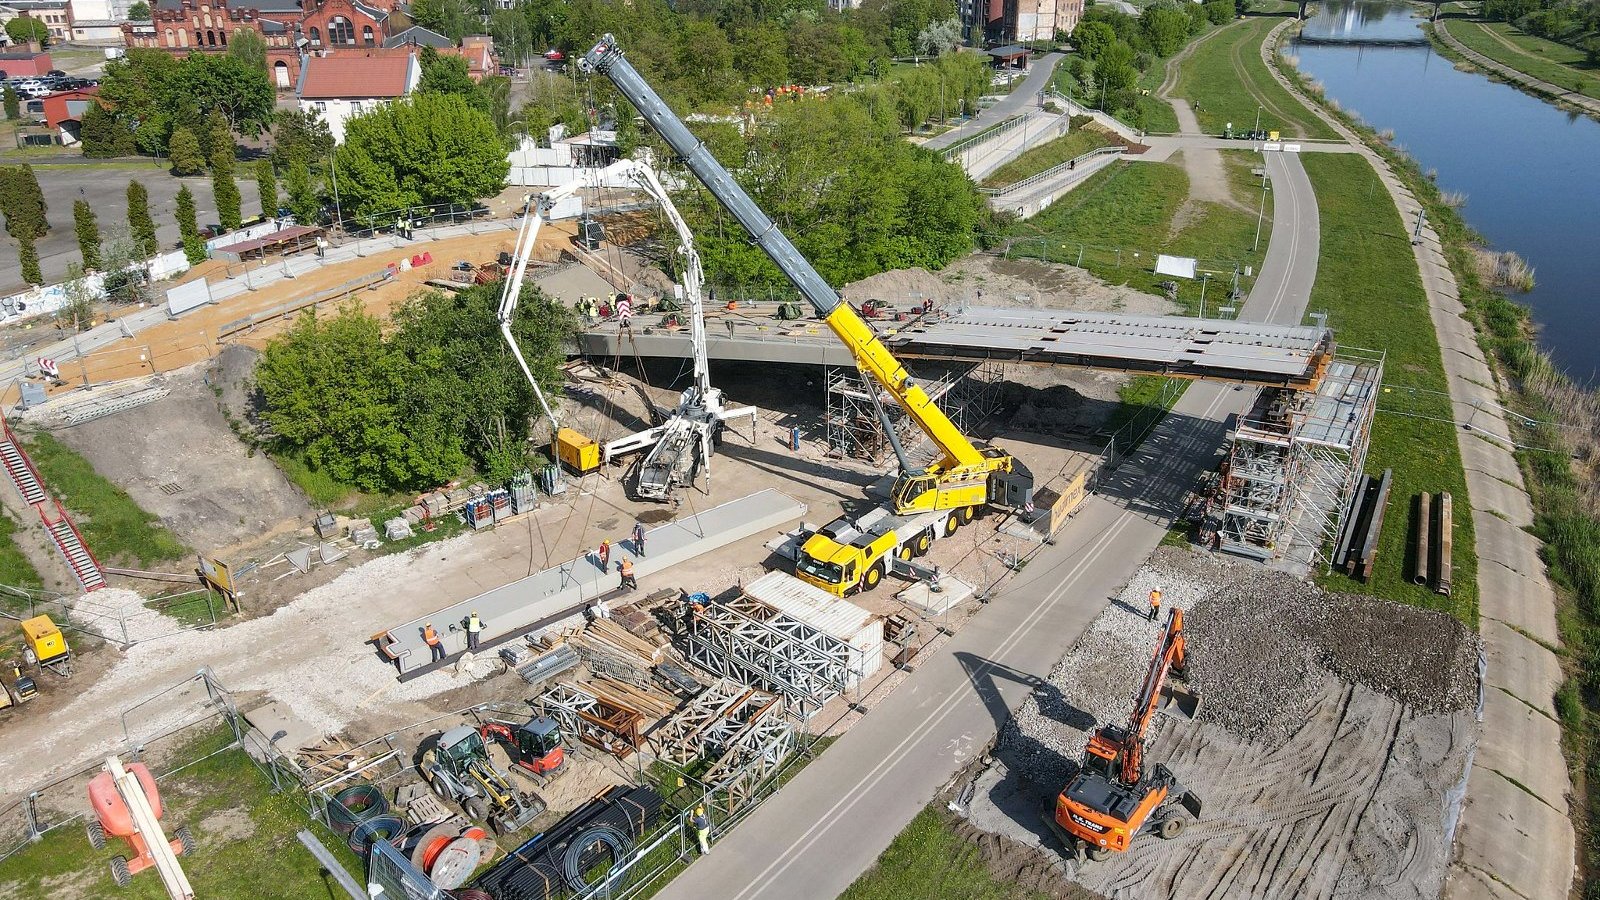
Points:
[(354, 805), (585, 850), (385, 828)]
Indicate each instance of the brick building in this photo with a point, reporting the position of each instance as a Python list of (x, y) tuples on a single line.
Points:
[(290, 28), (1006, 21)]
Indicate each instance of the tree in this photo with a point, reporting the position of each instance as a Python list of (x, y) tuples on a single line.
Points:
[(139, 87), (267, 185), (30, 259), (1093, 37), (1219, 12), (223, 188), (23, 29), (22, 203), (1115, 68), (237, 88), (938, 37), (194, 247), (13, 102), (139, 12), (140, 225), (449, 75), (248, 47), (184, 153), (217, 135), (105, 136), (88, 230), (126, 278), (451, 18), (299, 137), (77, 309), (428, 150), (1167, 29), (302, 188)]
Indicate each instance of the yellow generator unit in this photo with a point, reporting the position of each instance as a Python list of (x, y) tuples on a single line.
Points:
[(47, 644), (577, 453)]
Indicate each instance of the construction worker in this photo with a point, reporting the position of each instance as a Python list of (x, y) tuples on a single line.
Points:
[(605, 555), (702, 829), (628, 581), (1155, 603), (638, 539), (474, 630), (431, 638)]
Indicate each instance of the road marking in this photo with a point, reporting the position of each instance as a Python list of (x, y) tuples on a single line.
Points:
[(855, 794)]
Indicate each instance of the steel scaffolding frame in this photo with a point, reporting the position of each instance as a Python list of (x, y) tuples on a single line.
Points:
[(679, 739), (599, 723), (751, 753), (1294, 462), (747, 641), (967, 395)]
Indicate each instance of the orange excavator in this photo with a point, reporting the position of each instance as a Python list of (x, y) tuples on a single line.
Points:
[(1114, 796)]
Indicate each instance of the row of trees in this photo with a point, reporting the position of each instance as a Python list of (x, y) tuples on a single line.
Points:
[(411, 406), (1115, 49), (949, 85), (1575, 22), (150, 94)]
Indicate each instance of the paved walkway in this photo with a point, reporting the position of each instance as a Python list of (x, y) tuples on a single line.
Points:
[(1022, 96), (830, 824), (1554, 91), (1514, 839)]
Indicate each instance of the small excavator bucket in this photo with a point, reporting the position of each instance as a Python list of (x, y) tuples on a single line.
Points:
[(1178, 701), (1191, 803)]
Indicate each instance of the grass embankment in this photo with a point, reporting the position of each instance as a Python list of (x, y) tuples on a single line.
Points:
[(246, 837), (1228, 80), (928, 859), (116, 528), (15, 569), (1545, 60), (1116, 223), (1367, 282), (1075, 143)]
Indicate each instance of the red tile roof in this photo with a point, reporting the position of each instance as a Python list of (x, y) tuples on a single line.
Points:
[(345, 77)]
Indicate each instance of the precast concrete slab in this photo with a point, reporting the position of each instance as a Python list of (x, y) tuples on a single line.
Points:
[(516, 608)]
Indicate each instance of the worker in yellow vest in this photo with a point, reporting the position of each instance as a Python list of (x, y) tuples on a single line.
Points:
[(1155, 604)]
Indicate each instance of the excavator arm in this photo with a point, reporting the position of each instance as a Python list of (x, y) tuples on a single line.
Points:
[(959, 458), (1169, 655)]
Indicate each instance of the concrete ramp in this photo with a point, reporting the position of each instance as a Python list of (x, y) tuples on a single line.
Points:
[(517, 608)]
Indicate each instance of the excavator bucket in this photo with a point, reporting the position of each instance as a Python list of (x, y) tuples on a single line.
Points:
[(1191, 803), (1178, 701)]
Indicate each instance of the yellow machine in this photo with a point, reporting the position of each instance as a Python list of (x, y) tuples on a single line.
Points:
[(578, 453), (963, 478), (47, 644)]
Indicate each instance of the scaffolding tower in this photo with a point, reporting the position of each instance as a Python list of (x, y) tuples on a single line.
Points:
[(1293, 463), (967, 394), (750, 642)]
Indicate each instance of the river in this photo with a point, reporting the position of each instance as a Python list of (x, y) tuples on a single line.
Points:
[(1530, 171)]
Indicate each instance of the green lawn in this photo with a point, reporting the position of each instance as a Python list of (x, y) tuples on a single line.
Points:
[(1367, 282), (1228, 79), (928, 859), (245, 836), (1076, 142), (115, 527), (1535, 56), (1116, 223), (15, 570)]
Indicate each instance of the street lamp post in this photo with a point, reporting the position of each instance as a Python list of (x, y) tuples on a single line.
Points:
[(1258, 120), (1205, 279)]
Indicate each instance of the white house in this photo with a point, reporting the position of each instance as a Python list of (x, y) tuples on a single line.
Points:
[(341, 86)]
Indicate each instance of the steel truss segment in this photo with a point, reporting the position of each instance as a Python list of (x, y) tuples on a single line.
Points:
[(748, 641)]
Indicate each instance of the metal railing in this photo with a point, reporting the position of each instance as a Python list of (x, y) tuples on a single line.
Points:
[(1052, 172), (983, 137)]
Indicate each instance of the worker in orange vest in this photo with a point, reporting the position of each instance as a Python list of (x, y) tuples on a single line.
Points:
[(628, 581), (431, 638), (1155, 603)]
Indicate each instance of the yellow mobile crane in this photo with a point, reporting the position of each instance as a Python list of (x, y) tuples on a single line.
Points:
[(925, 503)]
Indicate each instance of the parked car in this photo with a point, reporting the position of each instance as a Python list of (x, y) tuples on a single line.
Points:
[(56, 73), (31, 87)]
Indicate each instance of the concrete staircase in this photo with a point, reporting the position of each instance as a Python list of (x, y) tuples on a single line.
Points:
[(20, 469)]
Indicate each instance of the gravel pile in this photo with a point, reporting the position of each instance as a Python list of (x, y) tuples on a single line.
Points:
[(1423, 658)]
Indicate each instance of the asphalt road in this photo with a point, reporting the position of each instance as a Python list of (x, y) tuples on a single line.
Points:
[(829, 824), (1020, 97)]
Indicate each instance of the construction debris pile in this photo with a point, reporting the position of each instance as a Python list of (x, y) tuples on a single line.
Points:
[(1353, 710)]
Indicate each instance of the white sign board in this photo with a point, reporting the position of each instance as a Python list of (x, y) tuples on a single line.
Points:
[(185, 297), (1291, 148), (1176, 266)]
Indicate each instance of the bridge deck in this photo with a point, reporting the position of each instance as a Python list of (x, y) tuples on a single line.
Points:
[(1292, 356)]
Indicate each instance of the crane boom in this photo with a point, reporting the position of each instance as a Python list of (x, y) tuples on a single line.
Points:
[(959, 477)]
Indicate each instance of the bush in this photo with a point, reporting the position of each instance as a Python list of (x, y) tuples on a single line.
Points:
[(183, 153)]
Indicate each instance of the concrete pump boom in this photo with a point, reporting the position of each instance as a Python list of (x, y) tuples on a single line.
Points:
[(961, 476)]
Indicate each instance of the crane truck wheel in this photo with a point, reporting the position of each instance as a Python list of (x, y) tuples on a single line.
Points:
[(1171, 826), (905, 551), (873, 577), (966, 513), (951, 523), (923, 542)]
